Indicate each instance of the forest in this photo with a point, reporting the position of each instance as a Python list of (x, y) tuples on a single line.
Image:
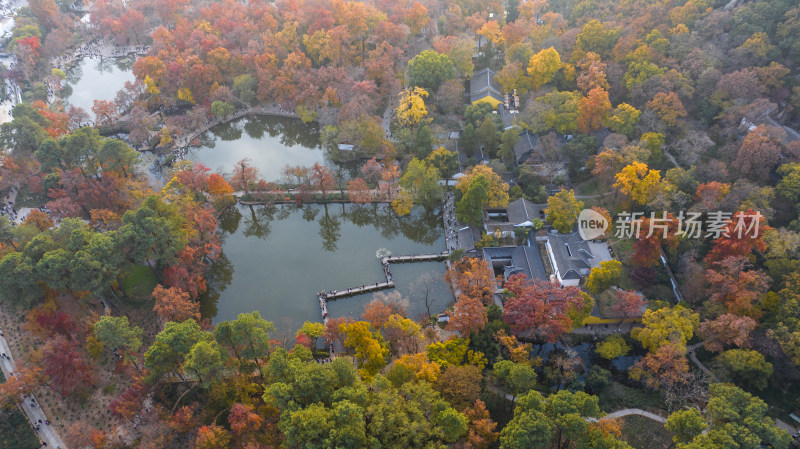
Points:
[(654, 115)]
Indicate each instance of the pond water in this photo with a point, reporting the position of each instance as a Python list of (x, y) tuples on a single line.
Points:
[(269, 142), (98, 79), (277, 258)]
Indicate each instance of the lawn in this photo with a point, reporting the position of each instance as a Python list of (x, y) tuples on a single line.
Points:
[(138, 282), (590, 187), (15, 430), (605, 303), (623, 249), (617, 397), (644, 433)]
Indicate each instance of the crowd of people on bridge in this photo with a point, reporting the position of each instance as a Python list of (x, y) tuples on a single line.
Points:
[(451, 223)]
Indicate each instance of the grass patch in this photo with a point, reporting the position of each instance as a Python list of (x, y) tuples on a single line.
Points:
[(660, 291), (623, 249), (590, 187), (644, 433), (15, 430), (617, 397), (138, 282), (605, 303)]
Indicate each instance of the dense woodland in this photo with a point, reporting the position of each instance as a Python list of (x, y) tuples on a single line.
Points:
[(673, 106)]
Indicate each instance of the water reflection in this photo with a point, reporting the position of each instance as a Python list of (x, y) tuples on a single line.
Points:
[(97, 79), (270, 142), (329, 227), (419, 226), (256, 221), (277, 258), (218, 279), (229, 220)]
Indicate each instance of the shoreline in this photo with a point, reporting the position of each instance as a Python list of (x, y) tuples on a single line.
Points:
[(181, 144)]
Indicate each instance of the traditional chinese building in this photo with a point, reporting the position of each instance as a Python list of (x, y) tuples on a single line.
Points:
[(572, 257), (516, 213), (483, 88)]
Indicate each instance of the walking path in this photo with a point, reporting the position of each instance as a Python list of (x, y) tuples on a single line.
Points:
[(631, 411), (693, 358), (336, 294), (378, 195), (47, 434), (618, 414), (451, 226), (418, 258), (387, 120), (672, 280)]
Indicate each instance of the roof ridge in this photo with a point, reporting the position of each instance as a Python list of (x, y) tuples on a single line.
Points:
[(525, 208)]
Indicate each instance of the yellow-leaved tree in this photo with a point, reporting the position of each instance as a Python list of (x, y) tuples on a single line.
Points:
[(402, 203), (411, 109), (420, 366), (368, 346), (184, 94), (497, 191), (666, 326), (542, 66), (639, 183)]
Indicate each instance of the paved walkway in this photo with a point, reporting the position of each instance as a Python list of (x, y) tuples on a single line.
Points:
[(612, 415), (631, 411), (386, 120), (29, 404), (451, 226), (693, 357), (603, 329)]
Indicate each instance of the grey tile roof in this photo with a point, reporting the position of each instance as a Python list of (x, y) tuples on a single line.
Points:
[(465, 240), (521, 260), (525, 147), (529, 258), (522, 210), (572, 254), (482, 83)]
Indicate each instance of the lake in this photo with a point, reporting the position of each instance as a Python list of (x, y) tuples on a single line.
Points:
[(269, 142), (275, 260), (98, 79)]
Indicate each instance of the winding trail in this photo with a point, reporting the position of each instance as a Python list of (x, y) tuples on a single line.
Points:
[(618, 414), (631, 411), (693, 357)]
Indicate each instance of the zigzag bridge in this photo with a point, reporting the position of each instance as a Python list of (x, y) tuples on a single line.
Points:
[(331, 295)]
